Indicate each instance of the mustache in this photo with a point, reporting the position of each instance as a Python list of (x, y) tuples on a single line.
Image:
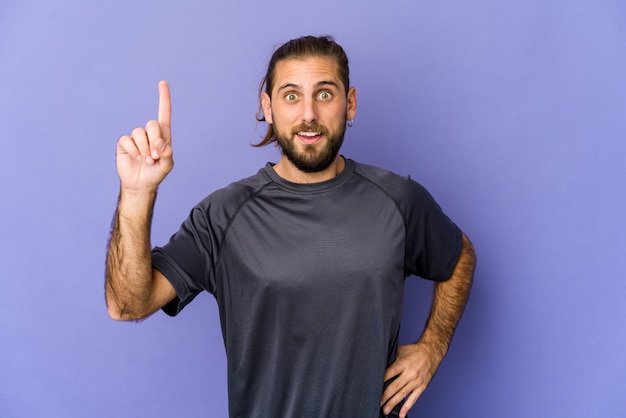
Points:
[(310, 127)]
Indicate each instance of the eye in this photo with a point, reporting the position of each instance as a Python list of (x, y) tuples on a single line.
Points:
[(325, 95), (290, 97)]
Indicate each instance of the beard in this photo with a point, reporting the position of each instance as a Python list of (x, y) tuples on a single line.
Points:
[(312, 158)]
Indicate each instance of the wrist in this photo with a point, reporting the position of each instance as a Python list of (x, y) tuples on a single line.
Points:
[(136, 202), (434, 346)]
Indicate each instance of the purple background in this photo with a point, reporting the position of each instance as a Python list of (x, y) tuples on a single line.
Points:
[(512, 113)]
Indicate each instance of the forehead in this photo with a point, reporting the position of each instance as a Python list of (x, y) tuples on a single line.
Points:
[(307, 71)]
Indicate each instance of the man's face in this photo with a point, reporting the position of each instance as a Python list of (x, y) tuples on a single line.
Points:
[(308, 111)]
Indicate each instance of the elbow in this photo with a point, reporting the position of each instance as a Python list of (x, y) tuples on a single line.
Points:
[(115, 314), (122, 308), (119, 312), (113, 308), (119, 315)]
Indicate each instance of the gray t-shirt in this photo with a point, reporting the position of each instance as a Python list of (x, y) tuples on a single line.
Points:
[(309, 281)]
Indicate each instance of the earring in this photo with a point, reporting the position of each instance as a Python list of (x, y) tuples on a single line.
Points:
[(350, 122)]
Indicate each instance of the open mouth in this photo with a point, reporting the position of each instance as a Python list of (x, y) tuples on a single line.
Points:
[(309, 137)]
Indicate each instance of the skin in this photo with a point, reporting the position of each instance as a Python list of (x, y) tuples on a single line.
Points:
[(307, 92), (417, 363), (133, 290)]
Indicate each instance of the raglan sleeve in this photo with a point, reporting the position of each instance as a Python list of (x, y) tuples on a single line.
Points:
[(187, 260), (433, 240)]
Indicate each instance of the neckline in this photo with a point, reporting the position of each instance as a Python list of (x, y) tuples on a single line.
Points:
[(333, 183)]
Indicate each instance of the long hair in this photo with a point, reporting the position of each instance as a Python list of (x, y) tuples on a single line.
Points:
[(303, 47)]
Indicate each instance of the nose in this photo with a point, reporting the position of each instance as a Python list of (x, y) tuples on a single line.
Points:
[(309, 112)]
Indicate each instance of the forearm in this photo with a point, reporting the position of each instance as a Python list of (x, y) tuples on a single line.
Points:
[(417, 363), (128, 284), (449, 300)]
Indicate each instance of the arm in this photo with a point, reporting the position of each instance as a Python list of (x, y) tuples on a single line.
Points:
[(133, 289), (417, 363)]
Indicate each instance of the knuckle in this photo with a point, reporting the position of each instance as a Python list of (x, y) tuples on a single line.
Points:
[(137, 132)]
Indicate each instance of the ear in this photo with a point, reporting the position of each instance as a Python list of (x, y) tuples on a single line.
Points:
[(351, 105), (266, 103)]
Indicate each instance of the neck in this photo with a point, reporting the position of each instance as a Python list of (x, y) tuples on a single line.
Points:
[(285, 169)]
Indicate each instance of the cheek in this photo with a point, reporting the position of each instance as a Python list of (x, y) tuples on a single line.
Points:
[(336, 116), (284, 114)]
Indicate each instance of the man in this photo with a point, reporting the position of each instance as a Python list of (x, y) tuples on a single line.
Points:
[(306, 259)]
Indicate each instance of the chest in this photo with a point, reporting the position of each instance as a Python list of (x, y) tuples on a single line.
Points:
[(328, 241)]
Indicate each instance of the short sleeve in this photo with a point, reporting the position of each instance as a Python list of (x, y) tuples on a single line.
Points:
[(434, 242), (187, 260)]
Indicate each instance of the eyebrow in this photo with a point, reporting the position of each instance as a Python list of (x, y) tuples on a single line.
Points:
[(318, 85)]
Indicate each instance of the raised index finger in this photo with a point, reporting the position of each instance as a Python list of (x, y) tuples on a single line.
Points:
[(165, 112)]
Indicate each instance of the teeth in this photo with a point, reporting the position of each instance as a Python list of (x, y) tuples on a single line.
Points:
[(310, 134)]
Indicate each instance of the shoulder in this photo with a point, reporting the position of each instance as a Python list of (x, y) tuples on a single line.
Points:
[(396, 186), (376, 174), (229, 198)]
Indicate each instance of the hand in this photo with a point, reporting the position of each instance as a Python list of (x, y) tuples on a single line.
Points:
[(413, 370), (145, 157)]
